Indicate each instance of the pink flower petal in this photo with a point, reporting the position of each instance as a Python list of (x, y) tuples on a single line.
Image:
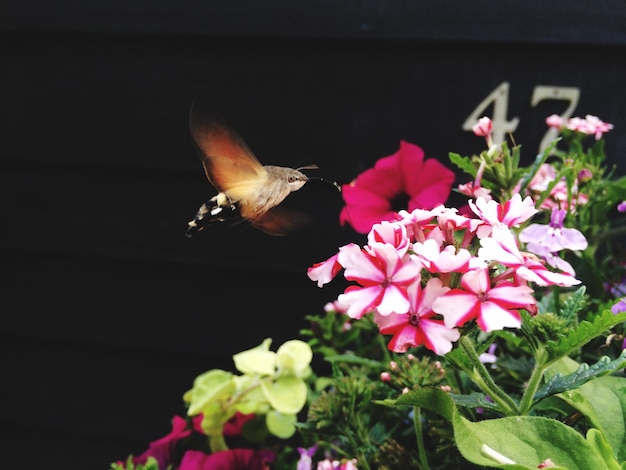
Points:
[(493, 317), (394, 301), (359, 301), (457, 307), (438, 337)]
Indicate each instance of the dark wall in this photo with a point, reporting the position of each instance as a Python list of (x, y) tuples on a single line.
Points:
[(109, 310)]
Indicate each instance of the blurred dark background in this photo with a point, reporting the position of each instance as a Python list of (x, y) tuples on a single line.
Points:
[(109, 311)]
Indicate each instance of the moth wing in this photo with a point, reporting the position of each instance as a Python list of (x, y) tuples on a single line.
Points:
[(229, 164), (281, 220)]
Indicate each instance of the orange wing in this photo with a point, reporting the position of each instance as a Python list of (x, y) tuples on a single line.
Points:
[(228, 163)]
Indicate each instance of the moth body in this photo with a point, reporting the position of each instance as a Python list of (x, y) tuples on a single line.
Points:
[(246, 188), (278, 183)]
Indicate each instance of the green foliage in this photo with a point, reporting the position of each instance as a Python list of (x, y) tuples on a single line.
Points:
[(583, 334), (272, 384), (559, 383), (464, 163)]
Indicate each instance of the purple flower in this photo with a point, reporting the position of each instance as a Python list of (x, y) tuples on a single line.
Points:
[(489, 357), (622, 206), (619, 307), (306, 458), (554, 236)]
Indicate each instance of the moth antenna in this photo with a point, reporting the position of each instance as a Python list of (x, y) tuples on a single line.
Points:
[(308, 167)]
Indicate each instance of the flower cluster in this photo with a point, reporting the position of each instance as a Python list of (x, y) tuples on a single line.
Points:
[(483, 336), (432, 271)]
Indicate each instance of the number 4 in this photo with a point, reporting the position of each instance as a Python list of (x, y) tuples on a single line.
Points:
[(500, 99)]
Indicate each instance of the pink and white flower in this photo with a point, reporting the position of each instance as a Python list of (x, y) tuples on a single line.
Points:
[(383, 276), (417, 326), (493, 308)]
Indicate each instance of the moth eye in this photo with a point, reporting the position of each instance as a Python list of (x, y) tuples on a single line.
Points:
[(292, 179)]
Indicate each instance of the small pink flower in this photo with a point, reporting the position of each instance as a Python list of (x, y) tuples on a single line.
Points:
[(547, 463), (555, 121), (510, 213), (474, 191), (542, 178), (483, 128), (585, 175), (324, 271), (393, 233), (590, 125)]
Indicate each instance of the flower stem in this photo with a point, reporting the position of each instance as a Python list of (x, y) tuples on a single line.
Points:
[(485, 382), (531, 389), (419, 436)]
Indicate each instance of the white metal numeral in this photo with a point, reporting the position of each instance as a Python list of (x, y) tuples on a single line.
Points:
[(543, 92)]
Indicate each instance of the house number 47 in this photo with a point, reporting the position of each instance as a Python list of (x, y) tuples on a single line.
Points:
[(500, 100)]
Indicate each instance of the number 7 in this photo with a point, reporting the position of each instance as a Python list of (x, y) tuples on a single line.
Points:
[(561, 93)]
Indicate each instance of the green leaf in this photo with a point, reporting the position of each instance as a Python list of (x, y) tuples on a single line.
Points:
[(582, 334), (473, 400), (429, 398), (280, 424), (209, 387), (294, 357), (463, 163), (539, 160), (286, 394), (573, 304), (358, 360), (559, 383), (258, 360), (598, 441), (459, 359), (603, 402), (527, 441)]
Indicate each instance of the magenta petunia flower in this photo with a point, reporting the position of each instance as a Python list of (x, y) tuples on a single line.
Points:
[(234, 425), (369, 198), (163, 448)]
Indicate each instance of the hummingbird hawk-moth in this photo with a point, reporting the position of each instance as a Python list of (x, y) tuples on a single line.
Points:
[(246, 189)]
